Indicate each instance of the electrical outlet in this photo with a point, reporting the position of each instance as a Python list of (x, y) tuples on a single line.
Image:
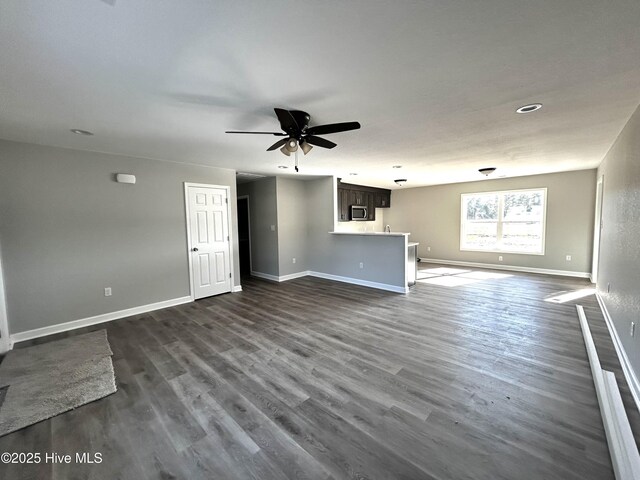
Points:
[(568, 257), (428, 249), (294, 259), (632, 329), (361, 265), (273, 228), (107, 291), (500, 258)]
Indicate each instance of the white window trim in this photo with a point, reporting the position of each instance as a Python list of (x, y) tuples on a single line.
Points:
[(499, 232)]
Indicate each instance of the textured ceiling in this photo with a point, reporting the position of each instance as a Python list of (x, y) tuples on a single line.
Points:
[(434, 83)]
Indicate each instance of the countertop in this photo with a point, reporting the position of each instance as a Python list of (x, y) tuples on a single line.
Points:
[(373, 234)]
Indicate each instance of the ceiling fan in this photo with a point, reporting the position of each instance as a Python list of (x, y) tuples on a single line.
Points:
[(295, 125)]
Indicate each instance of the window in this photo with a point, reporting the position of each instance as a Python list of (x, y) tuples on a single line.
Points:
[(511, 221)]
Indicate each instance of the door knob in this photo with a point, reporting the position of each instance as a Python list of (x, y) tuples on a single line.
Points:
[(194, 249)]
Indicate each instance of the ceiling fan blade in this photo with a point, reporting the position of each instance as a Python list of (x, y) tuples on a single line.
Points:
[(333, 128), (287, 122), (278, 144), (277, 134), (319, 142)]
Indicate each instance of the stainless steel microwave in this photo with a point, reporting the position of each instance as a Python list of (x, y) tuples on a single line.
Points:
[(358, 212)]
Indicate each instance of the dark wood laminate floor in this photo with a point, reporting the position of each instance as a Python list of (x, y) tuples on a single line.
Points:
[(316, 379)]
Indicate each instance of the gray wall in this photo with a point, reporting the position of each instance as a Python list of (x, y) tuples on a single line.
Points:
[(304, 212), (432, 215), (263, 211), (383, 257), (619, 252), (293, 216), (68, 230)]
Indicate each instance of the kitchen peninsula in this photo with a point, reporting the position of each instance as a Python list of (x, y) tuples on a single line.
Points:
[(396, 267)]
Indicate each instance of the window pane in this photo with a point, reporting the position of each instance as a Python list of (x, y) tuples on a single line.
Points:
[(522, 236), (523, 206), (482, 207), (509, 221), (481, 235)]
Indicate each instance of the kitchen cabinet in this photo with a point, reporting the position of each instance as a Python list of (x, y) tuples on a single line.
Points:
[(370, 197), (371, 205), (343, 204), (383, 199), (357, 197)]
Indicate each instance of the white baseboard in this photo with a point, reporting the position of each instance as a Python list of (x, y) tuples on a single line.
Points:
[(358, 281), (627, 369), (622, 446), (337, 278), (291, 276), (513, 268), (281, 278), (236, 288), (105, 317), (265, 276)]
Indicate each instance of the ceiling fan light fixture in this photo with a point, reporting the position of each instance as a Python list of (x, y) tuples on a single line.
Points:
[(291, 145), (400, 181), (306, 148), (487, 171), (285, 151)]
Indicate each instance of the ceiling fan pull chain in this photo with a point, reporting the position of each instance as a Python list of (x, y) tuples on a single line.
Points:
[(296, 161)]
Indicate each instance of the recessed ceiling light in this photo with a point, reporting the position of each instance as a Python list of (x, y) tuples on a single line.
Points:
[(353, 174), (529, 108), (81, 132), (397, 166), (282, 166)]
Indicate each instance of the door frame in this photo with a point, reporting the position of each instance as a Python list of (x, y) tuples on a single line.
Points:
[(597, 230), (187, 225), (243, 197)]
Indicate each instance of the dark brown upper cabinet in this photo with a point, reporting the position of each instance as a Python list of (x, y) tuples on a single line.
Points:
[(383, 199), (371, 197), (343, 204)]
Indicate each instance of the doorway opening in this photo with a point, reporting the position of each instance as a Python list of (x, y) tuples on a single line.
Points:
[(597, 230), (244, 236)]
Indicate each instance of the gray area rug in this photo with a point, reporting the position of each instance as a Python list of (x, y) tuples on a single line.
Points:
[(49, 379)]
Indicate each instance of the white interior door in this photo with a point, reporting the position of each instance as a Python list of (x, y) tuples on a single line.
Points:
[(208, 216)]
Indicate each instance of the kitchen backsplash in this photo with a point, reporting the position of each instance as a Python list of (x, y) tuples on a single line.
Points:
[(376, 226)]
